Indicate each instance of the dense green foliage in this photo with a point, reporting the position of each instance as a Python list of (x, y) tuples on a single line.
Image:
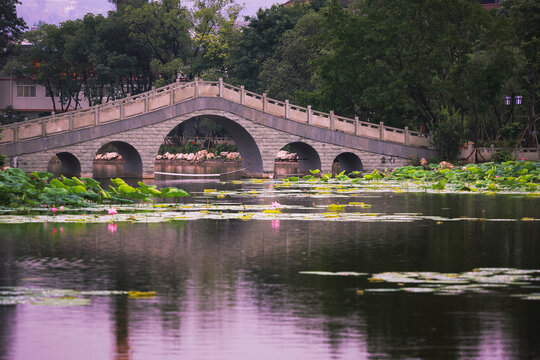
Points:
[(398, 62), (41, 188), (446, 137), (11, 28), (141, 45)]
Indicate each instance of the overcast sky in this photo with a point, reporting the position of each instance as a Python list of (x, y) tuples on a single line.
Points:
[(56, 11)]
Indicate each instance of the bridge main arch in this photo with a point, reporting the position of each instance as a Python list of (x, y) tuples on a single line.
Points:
[(235, 126)]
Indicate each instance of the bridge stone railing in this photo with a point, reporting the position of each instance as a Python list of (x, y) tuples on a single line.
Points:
[(486, 153), (178, 92)]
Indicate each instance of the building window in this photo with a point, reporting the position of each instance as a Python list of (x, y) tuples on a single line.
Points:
[(26, 88)]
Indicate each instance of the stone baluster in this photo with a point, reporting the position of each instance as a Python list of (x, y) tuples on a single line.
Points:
[(121, 105), (220, 87), (96, 115), (332, 120), (309, 115), (242, 95), (70, 121), (381, 129), (407, 136), (264, 100), (287, 109), (145, 99), (356, 126)]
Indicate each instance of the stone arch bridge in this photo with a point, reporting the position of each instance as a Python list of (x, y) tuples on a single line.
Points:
[(259, 125)]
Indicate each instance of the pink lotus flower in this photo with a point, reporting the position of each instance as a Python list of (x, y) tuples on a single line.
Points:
[(54, 210), (276, 205), (112, 211), (61, 208)]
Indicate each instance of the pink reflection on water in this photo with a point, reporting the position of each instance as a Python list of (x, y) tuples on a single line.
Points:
[(275, 224), (112, 228)]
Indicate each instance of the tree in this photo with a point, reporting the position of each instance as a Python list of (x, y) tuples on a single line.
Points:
[(492, 72), (524, 18), (121, 4), (259, 41), (11, 28), (396, 61), (214, 34), (446, 136), (163, 29), (287, 73)]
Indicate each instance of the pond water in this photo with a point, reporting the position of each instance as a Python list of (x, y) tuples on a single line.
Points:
[(268, 289)]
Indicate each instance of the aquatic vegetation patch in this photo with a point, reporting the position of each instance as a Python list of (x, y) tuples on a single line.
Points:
[(18, 189), (61, 297), (481, 280), (490, 177), (228, 211)]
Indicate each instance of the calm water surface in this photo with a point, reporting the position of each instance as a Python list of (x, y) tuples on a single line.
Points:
[(231, 289)]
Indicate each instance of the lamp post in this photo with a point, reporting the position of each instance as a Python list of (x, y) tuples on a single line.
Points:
[(518, 99)]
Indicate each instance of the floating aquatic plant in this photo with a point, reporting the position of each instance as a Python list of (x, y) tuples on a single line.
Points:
[(478, 280), (61, 297), (336, 207)]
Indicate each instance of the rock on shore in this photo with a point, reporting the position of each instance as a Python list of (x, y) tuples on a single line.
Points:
[(200, 156), (283, 155), (108, 156)]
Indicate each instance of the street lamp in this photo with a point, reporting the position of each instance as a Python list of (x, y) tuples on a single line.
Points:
[(508, 100)]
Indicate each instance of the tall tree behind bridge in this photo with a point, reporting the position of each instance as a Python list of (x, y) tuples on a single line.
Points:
[(525, 17), (395, 61), (11, 28)]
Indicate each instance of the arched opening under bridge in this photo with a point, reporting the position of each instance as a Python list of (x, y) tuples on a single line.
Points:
[(64, 163)]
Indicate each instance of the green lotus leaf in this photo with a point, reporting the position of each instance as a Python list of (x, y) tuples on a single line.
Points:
[(56, 191), (118, 181), (58, 184), (125, 188), (78, 189), (42, 174)]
